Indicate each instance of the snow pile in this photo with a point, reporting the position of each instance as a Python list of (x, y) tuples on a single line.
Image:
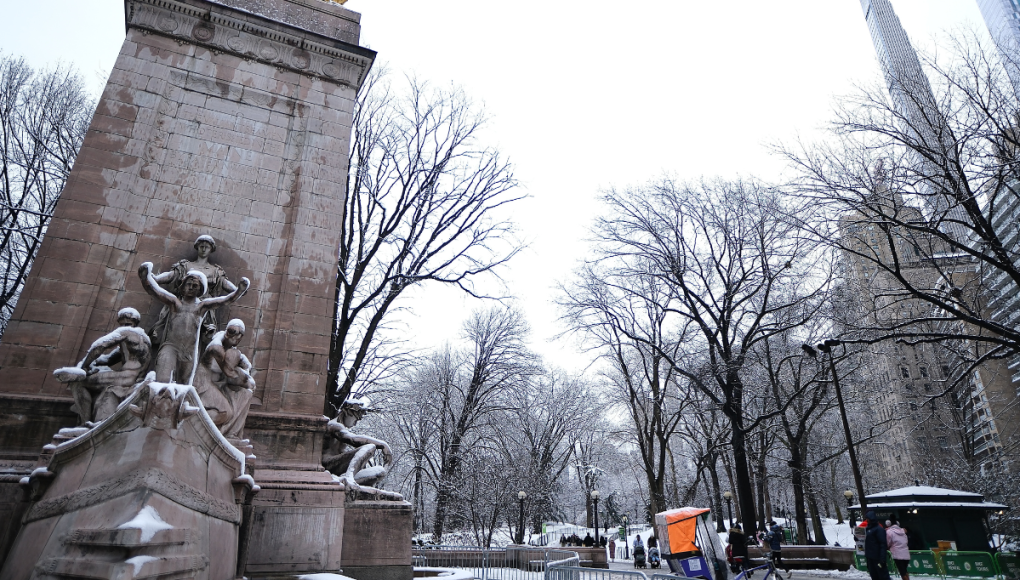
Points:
[(139, 561), (148, 521)]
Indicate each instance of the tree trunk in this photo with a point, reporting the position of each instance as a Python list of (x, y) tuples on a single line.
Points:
[(716, 494), (797, 481), (816, 520), (729, 477), (745, 495)]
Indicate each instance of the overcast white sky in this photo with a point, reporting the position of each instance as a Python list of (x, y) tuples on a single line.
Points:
[(582, 96)]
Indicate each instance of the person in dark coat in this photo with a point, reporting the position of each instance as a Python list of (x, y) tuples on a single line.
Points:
[(876, 548), (588, 541), (775, 540), (737, 550)]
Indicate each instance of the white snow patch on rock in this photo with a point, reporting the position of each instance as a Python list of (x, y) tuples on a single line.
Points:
[(148, 521), (139, 561)]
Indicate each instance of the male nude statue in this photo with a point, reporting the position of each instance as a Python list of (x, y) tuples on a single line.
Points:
[(177, 354), (105, 377), (223, 380), (346, 453)]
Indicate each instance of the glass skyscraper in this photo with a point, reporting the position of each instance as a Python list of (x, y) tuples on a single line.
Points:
[(1003, 20), (913, 99), (899, 61)]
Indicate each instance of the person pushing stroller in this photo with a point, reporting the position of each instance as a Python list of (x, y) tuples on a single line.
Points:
[(639, 553), (654, 560)]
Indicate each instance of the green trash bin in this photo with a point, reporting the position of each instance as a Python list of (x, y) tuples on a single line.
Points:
[(969, 564), (860, 563), (923, 563), (1009, 565)]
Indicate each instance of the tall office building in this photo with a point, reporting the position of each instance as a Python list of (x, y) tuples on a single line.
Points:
[(1002, 17), (1003, 20), (915, 102), (907, 82)]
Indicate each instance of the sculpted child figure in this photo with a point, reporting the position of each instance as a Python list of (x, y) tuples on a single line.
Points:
[(105, 377), (177, 354), (217, 285), (223, 380)]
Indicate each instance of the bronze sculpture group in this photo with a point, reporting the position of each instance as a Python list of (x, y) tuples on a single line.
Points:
[(185, 346)]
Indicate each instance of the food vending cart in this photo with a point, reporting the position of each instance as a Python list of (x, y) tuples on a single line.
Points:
[(690, 544)]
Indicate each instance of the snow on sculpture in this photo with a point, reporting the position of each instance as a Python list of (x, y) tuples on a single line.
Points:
[(178, 353), (112, 366), (223, 380), (347, 454)]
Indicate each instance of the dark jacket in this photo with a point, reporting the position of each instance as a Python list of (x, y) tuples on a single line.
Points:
[(775, 537), (738, 541), (875, 545)]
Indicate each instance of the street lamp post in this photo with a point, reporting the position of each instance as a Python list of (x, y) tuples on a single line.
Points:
[(595, 509), (626, 543), (849, 495), (521, 496), (826, 347), (729, 509)]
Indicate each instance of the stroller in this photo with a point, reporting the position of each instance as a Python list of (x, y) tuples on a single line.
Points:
[(639, 556), (653, 557)]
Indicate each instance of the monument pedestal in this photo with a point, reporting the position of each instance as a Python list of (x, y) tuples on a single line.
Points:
[(373, 547), (229, 118)]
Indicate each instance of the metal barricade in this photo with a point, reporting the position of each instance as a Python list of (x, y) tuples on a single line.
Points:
[(563, 572), (514, 563), (556, 572)]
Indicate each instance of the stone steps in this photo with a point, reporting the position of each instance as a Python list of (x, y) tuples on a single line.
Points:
[(138, 567), (125, 554)]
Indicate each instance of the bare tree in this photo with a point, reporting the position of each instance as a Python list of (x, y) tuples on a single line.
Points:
[(44, 116), (622, 316), (423, 203), (733, 271), (494, 380), (928, 202)]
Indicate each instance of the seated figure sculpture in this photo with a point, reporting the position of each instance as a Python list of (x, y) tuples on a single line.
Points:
[(113, 365), (175, 359), (347, 454), (223, 380)]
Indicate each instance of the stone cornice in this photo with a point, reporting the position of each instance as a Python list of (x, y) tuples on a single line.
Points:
[(253, 37)]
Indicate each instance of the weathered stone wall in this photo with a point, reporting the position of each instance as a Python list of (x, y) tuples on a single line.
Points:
[(215, 120)]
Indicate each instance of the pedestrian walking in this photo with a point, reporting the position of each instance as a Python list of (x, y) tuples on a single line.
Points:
[(775, 540), (896, 537), (736, 551), (612, 549), (876, 548)]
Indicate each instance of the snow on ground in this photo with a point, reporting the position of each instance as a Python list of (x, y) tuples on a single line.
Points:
[(835, 532)]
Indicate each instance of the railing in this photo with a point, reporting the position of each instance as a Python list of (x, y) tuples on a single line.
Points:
[(558, 572), (514, 563)]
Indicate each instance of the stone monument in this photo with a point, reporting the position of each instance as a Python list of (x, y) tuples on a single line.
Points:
[(228, 120)]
